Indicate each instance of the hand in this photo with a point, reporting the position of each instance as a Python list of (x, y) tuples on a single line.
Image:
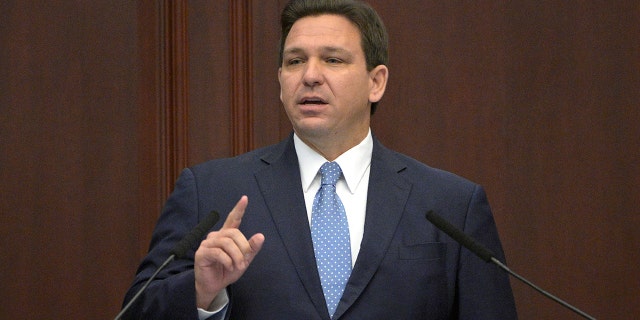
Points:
[(224, 256)]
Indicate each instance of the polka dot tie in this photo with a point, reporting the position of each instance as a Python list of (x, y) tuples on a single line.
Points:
[(330, 234)]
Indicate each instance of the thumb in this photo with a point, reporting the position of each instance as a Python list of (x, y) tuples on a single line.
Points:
[(255, 242)]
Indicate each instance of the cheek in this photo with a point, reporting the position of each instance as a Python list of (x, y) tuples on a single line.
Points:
[(286, 89), (356, 92)]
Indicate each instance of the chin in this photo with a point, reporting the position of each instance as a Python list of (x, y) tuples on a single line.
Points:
[(311, 131)]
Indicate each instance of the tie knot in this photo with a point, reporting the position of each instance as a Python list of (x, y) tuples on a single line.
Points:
[(330, 172)]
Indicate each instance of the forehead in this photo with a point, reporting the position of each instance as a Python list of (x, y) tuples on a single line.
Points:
[(323, 28)]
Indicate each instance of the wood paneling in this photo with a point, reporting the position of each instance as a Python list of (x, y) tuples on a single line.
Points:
[(210, 124), (270, 122), (241, 75), (69, 161), (174, 76), (151, 176), (233, 77), (540, 103)]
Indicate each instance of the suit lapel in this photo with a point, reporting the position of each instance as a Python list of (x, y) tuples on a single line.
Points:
[(281, 188), (386, 199), (280, 185)]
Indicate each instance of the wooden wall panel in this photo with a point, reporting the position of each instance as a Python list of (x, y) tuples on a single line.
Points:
[(69, 161), (241, 45), (234, 101), (152, 174), (270, 122), (210, 125), (573, 145), (173, 72), (539, 102)]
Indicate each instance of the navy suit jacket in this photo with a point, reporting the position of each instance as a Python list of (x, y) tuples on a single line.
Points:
[(406, 268)]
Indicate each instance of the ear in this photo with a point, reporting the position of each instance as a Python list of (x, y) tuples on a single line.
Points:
[(280, 81), (378, 78)]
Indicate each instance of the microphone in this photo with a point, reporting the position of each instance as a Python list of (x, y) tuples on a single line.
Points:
[(195, 235), (178, 252), (488, 256)]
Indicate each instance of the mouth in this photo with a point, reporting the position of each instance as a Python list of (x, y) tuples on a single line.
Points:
[(312, 101)]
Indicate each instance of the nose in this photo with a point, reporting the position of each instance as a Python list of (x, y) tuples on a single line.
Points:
[(313, 73)]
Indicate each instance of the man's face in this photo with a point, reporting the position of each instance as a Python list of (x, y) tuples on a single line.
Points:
[(325, 87)]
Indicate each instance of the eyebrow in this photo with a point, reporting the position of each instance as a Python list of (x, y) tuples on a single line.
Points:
[(324, 50)]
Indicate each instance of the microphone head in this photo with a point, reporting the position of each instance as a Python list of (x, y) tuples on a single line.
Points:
[(189, 241), (460, 237)]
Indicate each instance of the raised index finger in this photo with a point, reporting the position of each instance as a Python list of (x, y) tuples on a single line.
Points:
[(235, 216)]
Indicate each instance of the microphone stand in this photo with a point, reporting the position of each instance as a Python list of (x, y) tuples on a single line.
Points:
[(178, 251), (146, 284), (545, 293), (488, 256)]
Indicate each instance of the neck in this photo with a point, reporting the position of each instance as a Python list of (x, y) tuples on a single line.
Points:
[(331, 149)]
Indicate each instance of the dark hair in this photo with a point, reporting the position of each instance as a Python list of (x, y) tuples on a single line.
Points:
[(375, 41)]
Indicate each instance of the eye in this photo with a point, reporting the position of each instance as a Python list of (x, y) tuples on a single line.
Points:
[(294, 61), (333, 60)]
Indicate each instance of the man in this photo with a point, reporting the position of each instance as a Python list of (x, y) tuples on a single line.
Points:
[(265, 260)]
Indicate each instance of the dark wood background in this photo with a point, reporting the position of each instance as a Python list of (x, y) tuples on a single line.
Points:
[(104, 102)]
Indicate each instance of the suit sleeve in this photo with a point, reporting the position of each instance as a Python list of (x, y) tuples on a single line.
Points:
[(484, 291), (172, 294)]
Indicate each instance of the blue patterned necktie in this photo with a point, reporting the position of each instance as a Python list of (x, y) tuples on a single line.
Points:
[(330, 234)]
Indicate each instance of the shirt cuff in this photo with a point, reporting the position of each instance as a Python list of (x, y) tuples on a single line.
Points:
[(216, 306)]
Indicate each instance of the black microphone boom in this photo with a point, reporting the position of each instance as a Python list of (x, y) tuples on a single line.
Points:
[(195, 235), (178, 252), (488, 256)]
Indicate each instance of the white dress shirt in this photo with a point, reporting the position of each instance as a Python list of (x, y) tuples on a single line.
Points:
[(352, 189)]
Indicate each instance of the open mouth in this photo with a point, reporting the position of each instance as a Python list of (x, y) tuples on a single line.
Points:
[(312, 101)]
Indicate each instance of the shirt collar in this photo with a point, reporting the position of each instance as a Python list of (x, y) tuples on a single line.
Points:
[(354, 162)]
